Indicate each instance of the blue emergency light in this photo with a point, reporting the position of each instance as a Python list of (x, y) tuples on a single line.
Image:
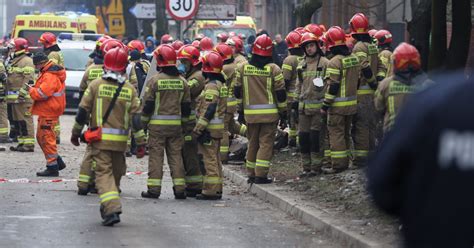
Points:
[(79, 37)]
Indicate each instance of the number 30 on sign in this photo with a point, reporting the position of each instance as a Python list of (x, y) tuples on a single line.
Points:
[(182, 9)]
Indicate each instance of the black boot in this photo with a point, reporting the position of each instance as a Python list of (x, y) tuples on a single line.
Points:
[(251, 179), (179, 195), (193, 192), (61, 163), (148, 194), (263, 180), (15, 148), (48, 173), (208, 197), (82, 191), (111, 219)]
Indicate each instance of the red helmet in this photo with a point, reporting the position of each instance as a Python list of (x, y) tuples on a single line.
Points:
[(196, 44), (48, 39), (223, 36), (383, 37), (101, 40), (212, 62), (19, 44), (190, 53), (232, 34), (372, 32), (166, 39), (308, 38), (165, 55), (242, 36), (323, 28), (300, 30), (235, 42), (335, 36), (116, 59), (405, 57), (263, 46), (136, 45), (359, 24), (206, 44), (314, 28), (293, 39), (224, 50), (177, 44), (109, 45), (199, 37)]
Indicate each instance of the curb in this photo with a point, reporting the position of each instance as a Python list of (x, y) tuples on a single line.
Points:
[(315, 218)]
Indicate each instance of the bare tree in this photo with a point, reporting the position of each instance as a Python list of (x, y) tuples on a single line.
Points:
[(461, 35), (438, 35), (305, 11), (419, 28)]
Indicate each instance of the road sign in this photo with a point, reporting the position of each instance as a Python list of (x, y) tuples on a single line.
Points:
[(217, 12), (182, 9), (144, 11)]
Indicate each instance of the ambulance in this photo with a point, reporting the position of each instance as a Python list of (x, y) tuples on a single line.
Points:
[(243, 25), (32, 26)]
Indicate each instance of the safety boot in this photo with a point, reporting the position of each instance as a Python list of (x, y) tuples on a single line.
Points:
[(263, 180), (82, 191), (148, 194), (111, 219), (58, 140), (48, 173), (333, 170), (26, 149), (306, 173), (251, 179), (4, 140), (15, 148), (193, 192), (61, 163), (208, 197)]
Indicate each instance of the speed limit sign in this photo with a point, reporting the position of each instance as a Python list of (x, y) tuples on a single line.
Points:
[(182, 9)]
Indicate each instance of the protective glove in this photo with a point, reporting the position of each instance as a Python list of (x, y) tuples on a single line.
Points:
[(75, 139), (141, 149)]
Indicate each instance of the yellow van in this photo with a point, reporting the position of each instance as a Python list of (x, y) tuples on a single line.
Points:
[(242, 25), (32, 26)]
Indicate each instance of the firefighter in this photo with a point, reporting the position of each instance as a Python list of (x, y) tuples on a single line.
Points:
[(261, 86), (340, 99), (384, 41), (206, 45), (210, 125), (20, 70), (86, 181), (222, 37), (364, 126), (238, 47), (166, 39), (231, 126), (408, 78), (96, 51), (166, 101), (3, 105), (289, 69), (188, 56), (111, 96), (49, 96), (140, 66), (310, 90)]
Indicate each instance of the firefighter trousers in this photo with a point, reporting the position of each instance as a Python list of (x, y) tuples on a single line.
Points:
[(213, 179), (86, 172), (109, 164), (3, 121), (293, 124), (311, 141), (46, 138), (173, 145), (231, 127), (339, 139), (21, 115), (260, 148), (363, 130), (192, 169)]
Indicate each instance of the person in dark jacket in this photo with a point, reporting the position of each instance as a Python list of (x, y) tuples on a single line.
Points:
[(423, 172)]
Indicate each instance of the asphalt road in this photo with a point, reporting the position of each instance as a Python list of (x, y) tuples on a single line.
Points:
[(51, 214)]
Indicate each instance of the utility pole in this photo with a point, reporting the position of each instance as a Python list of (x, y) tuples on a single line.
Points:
[(161, 21)]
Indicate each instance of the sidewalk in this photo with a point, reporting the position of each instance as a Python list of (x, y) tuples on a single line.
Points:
[(352, 233)]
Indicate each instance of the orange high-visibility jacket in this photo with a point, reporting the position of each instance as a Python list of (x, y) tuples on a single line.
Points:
[(49, 91)]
